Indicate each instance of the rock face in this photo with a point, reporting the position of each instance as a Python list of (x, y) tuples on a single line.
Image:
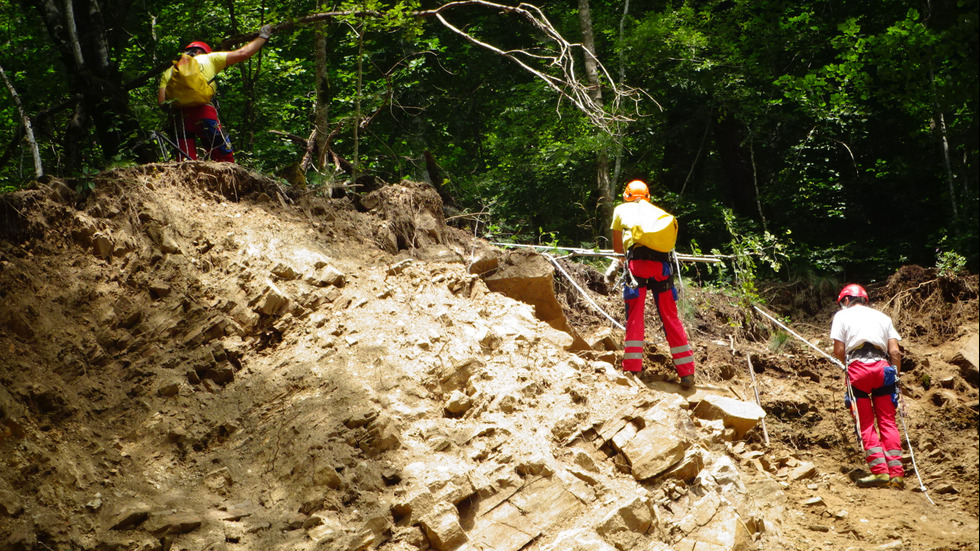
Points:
[(737, 414), (527, 276), (653, 450), (229, 367), (968, 360)]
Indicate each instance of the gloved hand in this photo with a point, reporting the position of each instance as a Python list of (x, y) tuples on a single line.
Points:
[(612, 272), (265, 32)]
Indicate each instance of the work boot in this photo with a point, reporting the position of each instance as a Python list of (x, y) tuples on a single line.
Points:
[(873, 481), (897, 482), (687, 381)]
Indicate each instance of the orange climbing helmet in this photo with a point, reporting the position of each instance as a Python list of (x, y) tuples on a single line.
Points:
[(636, 189), (201, 45), (854, 291)]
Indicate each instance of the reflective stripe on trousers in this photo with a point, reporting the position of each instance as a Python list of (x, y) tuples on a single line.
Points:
[(879, 432), (680, 350)]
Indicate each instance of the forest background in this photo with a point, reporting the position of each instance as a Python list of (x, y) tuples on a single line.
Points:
[(826, 138)]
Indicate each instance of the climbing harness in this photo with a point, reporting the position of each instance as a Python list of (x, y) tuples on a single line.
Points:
[(680, 280), (212, 136)]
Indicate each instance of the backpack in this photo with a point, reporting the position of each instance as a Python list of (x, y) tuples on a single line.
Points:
[(657, 229), (187, 85)]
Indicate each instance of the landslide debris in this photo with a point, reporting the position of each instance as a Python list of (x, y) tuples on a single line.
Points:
[(196, 358)]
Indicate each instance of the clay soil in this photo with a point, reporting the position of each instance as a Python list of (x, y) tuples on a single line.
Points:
[(193, 343)]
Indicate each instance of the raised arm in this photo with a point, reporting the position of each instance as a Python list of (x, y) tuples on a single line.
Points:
[(250, 49)]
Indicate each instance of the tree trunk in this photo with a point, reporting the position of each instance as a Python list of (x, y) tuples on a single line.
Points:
[(603, 182), (949, 168), (321, 118), (355, 162), (249, 72), (618, 146), (26, 122), (737, 165)]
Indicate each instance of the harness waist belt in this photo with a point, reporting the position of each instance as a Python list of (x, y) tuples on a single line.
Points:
[(867, 352), (639, 252)]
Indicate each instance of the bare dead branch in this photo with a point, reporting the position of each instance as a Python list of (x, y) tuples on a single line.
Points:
[(556, 68)]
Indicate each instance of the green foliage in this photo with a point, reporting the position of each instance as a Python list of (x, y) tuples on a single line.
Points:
[(778, 341), (827, 122), (750, 251), (950, 264)]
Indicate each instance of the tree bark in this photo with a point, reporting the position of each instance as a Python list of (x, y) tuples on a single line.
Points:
[(948, 166), (618, 146), (603, 182), (249, 72), (321, 118), (737, 167)]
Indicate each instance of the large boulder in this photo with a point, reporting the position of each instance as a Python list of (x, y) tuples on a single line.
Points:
[(968, 360), (740, 416), (527, 276), (654, 450)]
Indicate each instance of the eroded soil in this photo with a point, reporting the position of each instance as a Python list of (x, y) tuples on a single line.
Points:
[(194, 358)]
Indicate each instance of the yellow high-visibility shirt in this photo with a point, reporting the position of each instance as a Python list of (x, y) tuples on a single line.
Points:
[(642, 220)]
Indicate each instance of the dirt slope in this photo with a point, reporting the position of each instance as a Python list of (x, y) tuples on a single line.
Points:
[(194, 359)]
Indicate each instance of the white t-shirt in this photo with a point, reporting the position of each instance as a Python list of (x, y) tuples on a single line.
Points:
[(859, 324)]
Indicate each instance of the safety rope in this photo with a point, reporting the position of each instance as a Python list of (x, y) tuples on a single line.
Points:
[(581, 290), (180, 133), (853, 400), (225, 140), (905, 429), (609, 253)]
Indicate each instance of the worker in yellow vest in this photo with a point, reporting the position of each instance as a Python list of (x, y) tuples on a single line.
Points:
[(647, 234), (186, 95)]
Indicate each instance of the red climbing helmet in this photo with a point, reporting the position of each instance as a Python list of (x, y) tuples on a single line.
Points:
[(853, 290), (201, 45)]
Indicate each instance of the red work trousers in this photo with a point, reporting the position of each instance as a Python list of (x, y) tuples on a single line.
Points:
[(680, 350), (202, 122), (882, 444)]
